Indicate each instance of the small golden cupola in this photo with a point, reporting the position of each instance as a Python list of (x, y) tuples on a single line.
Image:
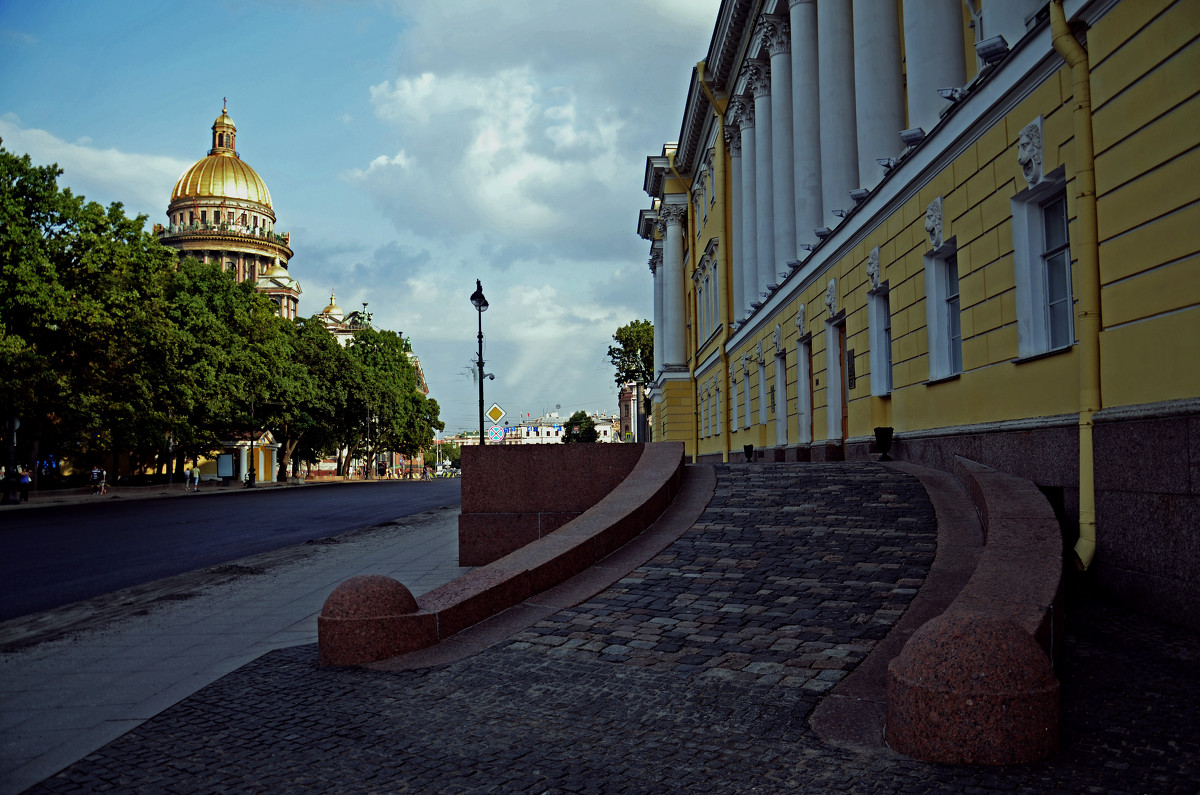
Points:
[(333, 310), (224, 134)]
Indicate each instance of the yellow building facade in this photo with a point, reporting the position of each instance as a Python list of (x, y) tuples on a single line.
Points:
[(971, 226)]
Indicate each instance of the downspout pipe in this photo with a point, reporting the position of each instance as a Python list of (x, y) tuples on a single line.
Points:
[(1087, 311)]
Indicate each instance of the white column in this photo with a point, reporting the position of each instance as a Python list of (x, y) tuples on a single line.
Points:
[(737, 257), (760, 85), (659, 321), (777, 37), (839, 139), (749, 207), (806, 119), (672, 216), (933, 48), (878, 87)]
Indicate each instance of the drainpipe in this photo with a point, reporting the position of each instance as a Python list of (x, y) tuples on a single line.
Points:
[(1087, 313)]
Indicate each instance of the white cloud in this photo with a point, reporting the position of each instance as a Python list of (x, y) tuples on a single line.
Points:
[(139, 181)]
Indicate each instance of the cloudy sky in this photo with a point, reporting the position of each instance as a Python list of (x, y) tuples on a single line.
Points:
[(410, 147)]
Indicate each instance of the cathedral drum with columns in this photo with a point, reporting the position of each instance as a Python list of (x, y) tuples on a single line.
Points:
[(964, 228), (221, 212)]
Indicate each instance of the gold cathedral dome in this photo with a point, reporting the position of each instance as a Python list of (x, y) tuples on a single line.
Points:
[(222, 174)]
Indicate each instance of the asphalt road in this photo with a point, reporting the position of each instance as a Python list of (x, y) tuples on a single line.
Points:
[(61, 554)]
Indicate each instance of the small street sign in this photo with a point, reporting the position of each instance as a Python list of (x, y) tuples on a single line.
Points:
[(495, 434), (495, 413)]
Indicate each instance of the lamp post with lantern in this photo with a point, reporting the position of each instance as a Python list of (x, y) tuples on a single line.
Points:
[(481, 305)]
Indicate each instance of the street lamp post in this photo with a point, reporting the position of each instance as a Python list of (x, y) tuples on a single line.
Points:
[(250, 467), (481, 305)]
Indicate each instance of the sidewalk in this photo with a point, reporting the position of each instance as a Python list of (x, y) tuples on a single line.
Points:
[(40, 499), (697, 672), (130, 655)]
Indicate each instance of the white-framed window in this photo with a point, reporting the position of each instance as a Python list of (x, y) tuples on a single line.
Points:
[(763, 398), (733, 402), (804, 396), (748, 413), (717, 406), (943, 314), (879, 317), (1042, 268)]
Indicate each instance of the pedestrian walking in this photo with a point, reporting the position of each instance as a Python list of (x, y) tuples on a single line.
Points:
[(96, 477), (103, 482), (195, 478), (25, 480)]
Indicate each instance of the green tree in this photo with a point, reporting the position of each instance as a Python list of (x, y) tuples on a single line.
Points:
[(394, 414), (580, 428), (633, 356), (451, 453), (316, 397), (84, 339)]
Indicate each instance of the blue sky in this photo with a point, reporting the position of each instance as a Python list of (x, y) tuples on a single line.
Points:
[(410, 148)]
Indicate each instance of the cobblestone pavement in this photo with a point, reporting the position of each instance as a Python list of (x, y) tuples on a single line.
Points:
[(696, 673)]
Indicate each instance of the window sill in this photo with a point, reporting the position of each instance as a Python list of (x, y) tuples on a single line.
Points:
[(1033, 357), (943, 379)]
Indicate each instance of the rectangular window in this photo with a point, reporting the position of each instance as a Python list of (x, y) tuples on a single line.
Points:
[(1056, 262), (763, 398), (804, 391), (953, 315), (943, 322), (879, 318), (733, 402), (1042, 267), (717, 406), (748, 414)]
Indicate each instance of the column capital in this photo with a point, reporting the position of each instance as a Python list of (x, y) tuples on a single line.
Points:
[(672, 214), (733, 139), (776, 35), (741, 109), (758, 77), (656, 259)]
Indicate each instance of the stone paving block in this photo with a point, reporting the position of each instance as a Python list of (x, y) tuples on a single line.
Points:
[(530, 717)]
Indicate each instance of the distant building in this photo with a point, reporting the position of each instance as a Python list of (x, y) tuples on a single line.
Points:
[(549, 430), (220, 211), (972, 224)]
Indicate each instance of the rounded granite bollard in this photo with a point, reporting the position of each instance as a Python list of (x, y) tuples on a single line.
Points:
[(365, 619), (972, 689)]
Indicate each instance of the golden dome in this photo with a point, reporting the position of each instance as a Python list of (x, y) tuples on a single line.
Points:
[(333, 308), (223, 176)]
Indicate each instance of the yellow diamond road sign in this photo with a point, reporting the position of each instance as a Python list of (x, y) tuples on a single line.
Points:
[(495, 413)]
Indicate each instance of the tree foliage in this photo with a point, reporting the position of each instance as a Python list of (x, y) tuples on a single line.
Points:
[(113, 347), (633, 356), (581, 428)]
